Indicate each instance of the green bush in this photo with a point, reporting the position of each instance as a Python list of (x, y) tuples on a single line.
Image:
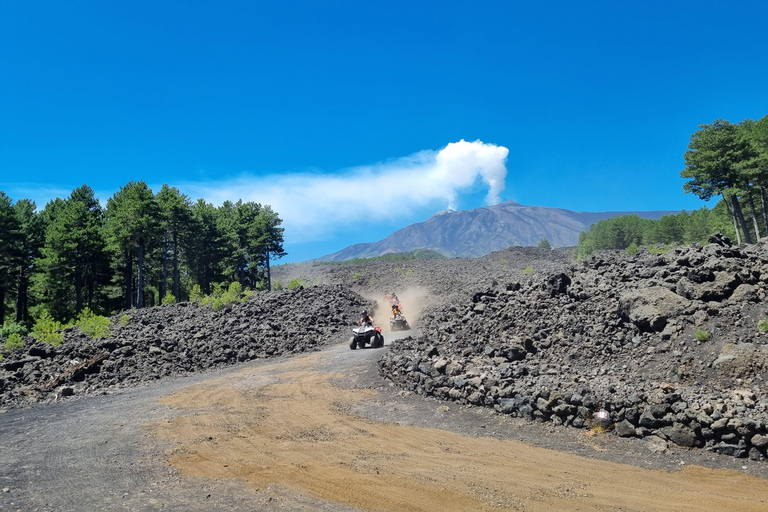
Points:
[(10, 327), (92, 325), (295, 283), (660, 249), (47, 330), (409, 273), (14, 342), (208, 299), (633, 249), (169, 299), (247, 294), (528, 271), (232, 295), (196, 294), (701, 335), (218, 304), (124, 321), (763, 325), (544, 244), (398, 270), (357, 275), (373, 280), (218, 290), (277, 284)]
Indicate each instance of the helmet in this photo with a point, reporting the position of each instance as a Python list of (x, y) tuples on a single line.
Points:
[(363, 312)]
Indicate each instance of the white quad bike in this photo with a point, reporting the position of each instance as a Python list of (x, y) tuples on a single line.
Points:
[(366, 334)]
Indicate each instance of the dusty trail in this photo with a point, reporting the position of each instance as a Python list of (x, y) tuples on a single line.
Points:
[(294, 429), (323, 432)]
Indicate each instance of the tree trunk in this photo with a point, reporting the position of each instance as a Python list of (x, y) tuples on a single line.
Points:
[(176, 268), (90, 293), (165, 267), (739, 215), (2, 305), (269, 275), (140, 287), (754, 216), (735, 222), (21, 295), (128, 280), (78, 290), (765, 213)]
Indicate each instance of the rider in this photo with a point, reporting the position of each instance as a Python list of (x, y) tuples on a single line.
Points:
[(365, 319), (395, 309)]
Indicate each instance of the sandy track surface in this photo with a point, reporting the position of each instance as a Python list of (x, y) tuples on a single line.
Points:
[(324, 432)]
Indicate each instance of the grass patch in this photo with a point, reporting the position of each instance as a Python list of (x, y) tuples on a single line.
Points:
[(701, 335), (528, 271)]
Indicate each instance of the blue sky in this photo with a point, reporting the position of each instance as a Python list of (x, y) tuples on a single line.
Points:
[(348, 117)]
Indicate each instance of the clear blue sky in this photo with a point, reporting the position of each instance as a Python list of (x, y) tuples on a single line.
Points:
[(340, 114)]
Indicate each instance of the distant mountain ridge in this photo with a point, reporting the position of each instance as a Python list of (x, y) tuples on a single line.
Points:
[(477, 232)]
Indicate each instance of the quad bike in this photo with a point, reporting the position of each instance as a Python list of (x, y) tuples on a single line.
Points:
[(398, 323), (366, 334)]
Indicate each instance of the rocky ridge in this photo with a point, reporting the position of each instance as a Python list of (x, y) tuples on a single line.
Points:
[(658, 346), (175, 340)]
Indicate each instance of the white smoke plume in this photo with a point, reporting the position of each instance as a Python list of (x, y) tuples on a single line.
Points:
[(313, 205)]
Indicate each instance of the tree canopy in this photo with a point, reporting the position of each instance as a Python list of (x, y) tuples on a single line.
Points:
[(76, 254)]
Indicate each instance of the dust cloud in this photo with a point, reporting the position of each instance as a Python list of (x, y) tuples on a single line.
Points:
[(413, 301)]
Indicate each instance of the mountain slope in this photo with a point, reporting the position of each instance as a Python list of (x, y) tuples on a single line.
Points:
[(473, 233)]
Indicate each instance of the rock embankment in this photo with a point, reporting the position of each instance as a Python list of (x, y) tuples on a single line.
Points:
[(663, 346), (175, 340)]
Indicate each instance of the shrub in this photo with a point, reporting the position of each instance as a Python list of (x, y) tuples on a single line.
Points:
[(295, 283), (47, 330), (409, 273), (277, 284), (660, 249), (218, 290), (168, 300), (218, 303), (247, 294), (398, 270), (196, 293), (528, 271), (357, 275), (208, 299), (633, 249), (14, 342), (10, 327), (701, 335), (124, 321), (544, 244), (232, 294), (93, 325), (373, 280), (763, 325)]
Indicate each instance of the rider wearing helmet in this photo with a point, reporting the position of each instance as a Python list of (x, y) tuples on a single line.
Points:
[(365, 319)]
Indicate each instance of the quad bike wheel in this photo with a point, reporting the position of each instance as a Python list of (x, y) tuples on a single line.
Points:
[(352, 343), (378, 341)]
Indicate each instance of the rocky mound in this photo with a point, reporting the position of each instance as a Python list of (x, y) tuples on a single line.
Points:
[(435, 280), (664, 345), (175, 340)]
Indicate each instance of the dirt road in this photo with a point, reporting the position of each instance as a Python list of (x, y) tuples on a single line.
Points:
[(324, 432)]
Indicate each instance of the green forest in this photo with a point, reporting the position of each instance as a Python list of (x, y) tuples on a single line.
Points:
[(141, 249), (723, 160)]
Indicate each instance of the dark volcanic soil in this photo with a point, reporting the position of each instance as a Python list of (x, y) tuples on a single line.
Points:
[(654, 360)]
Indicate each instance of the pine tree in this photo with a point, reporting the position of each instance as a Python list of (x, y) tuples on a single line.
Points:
[(132, 225), (10, 250)]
